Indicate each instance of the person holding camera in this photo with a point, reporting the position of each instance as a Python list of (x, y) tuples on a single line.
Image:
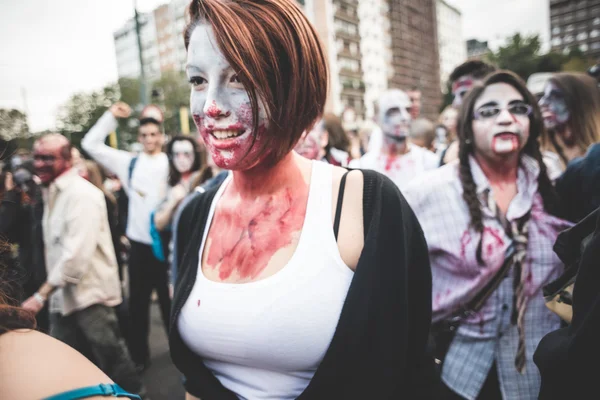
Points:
[(21, 211)]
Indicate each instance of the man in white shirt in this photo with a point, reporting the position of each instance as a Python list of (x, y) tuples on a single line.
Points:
[(83, 280), (396, 157), (144, 178)]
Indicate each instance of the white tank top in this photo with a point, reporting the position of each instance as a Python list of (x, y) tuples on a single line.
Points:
[(265, 339)]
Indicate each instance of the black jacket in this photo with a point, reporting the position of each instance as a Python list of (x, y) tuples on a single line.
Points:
[(379, 347), (568, 358), (22, 224), (579, 186)]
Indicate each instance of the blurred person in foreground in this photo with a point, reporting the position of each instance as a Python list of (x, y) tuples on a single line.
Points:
[(83, 282), (21, 210), (489, 225), (36, 366), (397, 158), (144, 178)]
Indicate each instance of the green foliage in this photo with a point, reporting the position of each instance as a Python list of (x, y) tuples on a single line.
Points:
[(13, 124), (519, 55), (522, 55), (82, 110), (174, 92)]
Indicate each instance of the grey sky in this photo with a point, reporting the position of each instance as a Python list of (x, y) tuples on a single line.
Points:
[(53, 49)]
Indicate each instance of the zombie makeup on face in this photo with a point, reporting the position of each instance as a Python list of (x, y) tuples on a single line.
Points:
[(501, 121), (183, 156), (554, 107), (221, 106), (460, 89), (394, 116)]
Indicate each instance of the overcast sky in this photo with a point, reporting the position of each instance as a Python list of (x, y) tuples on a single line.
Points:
[(53, 49)]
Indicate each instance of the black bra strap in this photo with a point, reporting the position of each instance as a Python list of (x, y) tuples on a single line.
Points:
[(338, 209)]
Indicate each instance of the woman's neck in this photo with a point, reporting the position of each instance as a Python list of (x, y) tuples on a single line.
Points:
[(266, 180), (499, 172), (185, 176)]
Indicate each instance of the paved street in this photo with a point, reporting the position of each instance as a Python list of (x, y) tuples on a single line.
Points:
[(162, 378)]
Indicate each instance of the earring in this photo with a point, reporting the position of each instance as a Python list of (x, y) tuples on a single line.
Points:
[(468, 141)]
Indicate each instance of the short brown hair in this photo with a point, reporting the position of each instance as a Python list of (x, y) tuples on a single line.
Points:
[(278, 57)]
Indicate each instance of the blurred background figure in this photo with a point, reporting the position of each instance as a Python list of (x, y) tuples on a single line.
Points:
[(571, 111), (415, 102), (397, 157), (447, 133), (422, 134), (326, 141)]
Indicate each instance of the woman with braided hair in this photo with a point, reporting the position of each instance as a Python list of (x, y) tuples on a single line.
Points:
[(487, 219)]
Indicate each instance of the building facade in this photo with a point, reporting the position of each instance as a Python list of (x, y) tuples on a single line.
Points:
[(127, 50), (452, 47), (576, 24), (415, 58)]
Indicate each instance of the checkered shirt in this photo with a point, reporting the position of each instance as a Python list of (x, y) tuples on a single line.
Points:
[(488, 336)]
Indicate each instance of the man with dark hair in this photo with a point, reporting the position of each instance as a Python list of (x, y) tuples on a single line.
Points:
[(462, 79), (82, 285), (144, 179), (465, 76)]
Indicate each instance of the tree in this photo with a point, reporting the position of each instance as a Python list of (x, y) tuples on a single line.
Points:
[(577, 61), (520, 55), (173, 93), (13, 124)]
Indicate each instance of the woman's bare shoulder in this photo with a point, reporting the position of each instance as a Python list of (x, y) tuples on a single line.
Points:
[(351, 231), (34, 365)]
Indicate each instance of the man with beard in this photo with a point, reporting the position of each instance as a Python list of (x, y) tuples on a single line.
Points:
[(82, 286), (396, 158)]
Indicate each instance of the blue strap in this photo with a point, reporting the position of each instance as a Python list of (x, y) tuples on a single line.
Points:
[(131, 167), (106, 390), (157, 243)]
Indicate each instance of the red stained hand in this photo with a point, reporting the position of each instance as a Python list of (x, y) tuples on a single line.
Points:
[(31, 304)]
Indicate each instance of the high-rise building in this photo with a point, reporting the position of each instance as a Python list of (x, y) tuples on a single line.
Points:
[(400, 50), (127, 50), (576, 24), (477, 49), (337, 24), (415, 59), (452, 48)]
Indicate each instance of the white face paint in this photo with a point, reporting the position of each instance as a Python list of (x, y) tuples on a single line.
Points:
[(501, 127), (183, 156), (394, 116), (220, 105)]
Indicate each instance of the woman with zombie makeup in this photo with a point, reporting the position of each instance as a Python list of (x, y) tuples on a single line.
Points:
[(185, 163), (571, 110), (486, 218), (287, 287), (326, 141)]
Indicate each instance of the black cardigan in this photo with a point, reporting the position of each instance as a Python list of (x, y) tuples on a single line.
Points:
[(568, 358), (378, 350)]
